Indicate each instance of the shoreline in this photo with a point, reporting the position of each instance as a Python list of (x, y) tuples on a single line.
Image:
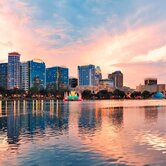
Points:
[(31, 99), (104, 104)]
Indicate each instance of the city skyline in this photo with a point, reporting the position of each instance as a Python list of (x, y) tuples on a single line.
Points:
[(116, 76), (114, 35), (34, 74)]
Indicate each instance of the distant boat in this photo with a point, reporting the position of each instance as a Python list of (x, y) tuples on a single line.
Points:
[(72, 96)]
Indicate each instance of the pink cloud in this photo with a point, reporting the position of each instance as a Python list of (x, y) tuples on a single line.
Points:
[(104, 50), (101, 48), (137, 71)]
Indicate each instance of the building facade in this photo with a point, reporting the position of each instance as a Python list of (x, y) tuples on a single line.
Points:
[(151, 88), (37, 74), (3, 75), (117, 77), (86, 75), (106, 84), (57, 78), (25, 76), (13, 72), (150, 81), (98, 75), (73, 82), (150, 85)]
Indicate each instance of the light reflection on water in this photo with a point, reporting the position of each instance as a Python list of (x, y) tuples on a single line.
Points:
[(84, 133)]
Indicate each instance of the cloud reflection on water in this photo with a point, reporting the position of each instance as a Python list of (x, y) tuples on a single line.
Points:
[(119, 135)]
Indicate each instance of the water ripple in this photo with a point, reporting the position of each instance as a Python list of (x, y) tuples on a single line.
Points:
[(84, 133)]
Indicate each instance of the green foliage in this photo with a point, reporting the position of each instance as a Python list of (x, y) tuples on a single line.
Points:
[(87, 94), (104, 94), (34, 91), (146, 94), (2, 90), (136, 94), (59, 94), (119, 94), (43, 92)]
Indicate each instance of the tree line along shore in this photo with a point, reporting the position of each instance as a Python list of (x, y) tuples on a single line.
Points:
[(34, 93)]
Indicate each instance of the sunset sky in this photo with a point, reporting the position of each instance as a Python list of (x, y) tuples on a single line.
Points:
[(126, 35)]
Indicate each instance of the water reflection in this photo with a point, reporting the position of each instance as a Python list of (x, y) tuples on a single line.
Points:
[(31, 118), (95, 134), (12, 123), (0, 108), (151, 114), (154, 141), (89, 120), (3, 119), (116, 117)]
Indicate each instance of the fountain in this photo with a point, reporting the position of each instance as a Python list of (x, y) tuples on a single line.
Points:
[(72, 96)]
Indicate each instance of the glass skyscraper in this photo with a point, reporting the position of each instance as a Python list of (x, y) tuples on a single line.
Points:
[(25, 76), (98, 75), (86, 75), (57, 78), (13, 74), (37, 74), (3, 75)]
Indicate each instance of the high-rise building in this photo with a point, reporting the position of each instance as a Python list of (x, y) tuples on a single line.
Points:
[(57, 78), (3, 75), (86, 75), (37, 74), (150, 81), (73, 82), (98, 75), (117, 77), (25, 76), (13, 76)]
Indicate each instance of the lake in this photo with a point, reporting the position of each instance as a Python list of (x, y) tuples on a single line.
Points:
[(110, 132)]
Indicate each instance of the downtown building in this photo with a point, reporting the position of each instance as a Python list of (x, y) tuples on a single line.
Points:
[(86, 75), (106, 84), (25, 76), (86, 78), (151, 85), (57, 78), (37, 74), (117, 77), (98, 75), (3, 75), (13, 71), (150, 81), (73, 82), (33, 74)]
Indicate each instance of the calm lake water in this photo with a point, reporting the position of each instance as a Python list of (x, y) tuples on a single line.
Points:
[(83, 133)]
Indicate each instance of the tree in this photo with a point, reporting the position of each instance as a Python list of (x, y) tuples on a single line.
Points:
[(103, 94), (86, 94), (33, 91), (119, 94), (146, 94), (2, 91), (43, 92), (136, 94)]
